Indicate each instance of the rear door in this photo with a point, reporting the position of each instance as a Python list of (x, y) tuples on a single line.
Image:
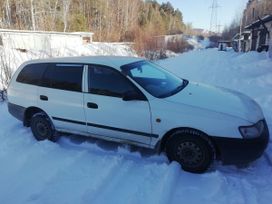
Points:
[(108, 115), (60, 96)]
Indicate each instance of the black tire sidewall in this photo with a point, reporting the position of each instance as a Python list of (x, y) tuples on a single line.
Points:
[(204, 145), (41, 118)]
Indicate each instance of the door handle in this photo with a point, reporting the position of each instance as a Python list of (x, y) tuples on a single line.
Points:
[(92, 105), (43, 98)]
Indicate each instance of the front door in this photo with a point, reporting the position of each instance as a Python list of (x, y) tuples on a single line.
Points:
[(108, 115)]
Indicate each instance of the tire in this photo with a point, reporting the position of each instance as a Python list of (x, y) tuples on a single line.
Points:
[(193, 150), (42, 127)]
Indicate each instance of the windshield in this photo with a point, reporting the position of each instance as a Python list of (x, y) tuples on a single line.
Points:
[(155, 80)]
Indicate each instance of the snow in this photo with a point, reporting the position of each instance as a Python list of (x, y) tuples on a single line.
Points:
[(79, 170), (198, 44), (14, 57)]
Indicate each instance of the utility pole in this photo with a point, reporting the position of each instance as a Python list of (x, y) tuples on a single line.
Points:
[(214, 17), (219, 28), (240, 35)]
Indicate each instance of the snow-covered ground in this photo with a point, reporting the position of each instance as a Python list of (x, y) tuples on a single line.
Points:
[(94, 171), (198, 44)]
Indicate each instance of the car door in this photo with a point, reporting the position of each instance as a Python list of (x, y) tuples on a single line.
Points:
[(60, 96), (108, 115)]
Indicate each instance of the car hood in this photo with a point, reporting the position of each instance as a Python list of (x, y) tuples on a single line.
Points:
[(220, 100)]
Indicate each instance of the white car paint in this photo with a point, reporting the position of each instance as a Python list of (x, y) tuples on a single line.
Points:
[(219, 100), (215, 111)]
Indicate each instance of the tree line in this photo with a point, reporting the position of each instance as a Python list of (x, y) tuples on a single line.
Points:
[(110, 20)]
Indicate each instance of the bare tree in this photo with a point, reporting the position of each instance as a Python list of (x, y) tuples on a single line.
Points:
[(66, 6), (8, 13), (5, 74), (32, 15)]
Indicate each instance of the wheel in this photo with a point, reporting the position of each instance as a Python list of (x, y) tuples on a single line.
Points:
[(42, 127), (191, 149)]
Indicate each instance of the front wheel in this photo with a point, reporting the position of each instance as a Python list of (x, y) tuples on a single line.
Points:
[(41, 127), (193, 151)]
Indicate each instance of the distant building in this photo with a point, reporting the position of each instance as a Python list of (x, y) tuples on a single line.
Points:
[(42, 40), (162, 41), (255, 9), (257, 26), (244, 39), (198, 31), (261, 31)]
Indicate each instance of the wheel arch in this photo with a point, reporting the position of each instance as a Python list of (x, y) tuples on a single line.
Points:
[(29, 112), (160, 145)]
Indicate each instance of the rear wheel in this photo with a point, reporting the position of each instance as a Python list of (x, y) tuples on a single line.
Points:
[(191, 149), (42, 127)]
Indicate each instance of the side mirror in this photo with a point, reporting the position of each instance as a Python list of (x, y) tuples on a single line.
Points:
[(133, 96)]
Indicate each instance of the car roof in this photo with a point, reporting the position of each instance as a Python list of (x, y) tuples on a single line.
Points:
[(112, 61)]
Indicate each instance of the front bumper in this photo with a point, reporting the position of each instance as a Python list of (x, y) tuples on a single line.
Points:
[(241, 151)]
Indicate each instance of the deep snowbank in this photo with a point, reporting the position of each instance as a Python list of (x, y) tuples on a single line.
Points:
[(94, 171)]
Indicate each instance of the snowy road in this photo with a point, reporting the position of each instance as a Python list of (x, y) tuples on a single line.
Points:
[(93, 171)]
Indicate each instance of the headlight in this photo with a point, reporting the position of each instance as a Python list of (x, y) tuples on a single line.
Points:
[(252, 131)]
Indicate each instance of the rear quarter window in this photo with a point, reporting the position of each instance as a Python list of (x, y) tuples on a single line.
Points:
[(31, 74)]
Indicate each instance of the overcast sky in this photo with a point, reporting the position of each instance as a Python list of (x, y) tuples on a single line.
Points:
[(198, 12)]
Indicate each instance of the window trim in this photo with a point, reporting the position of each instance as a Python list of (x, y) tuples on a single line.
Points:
[(31, 64), (125, 68), (114, 70), (62, 63), (85, 77)]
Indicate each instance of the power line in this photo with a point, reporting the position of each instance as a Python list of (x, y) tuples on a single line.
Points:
[(214, 27)]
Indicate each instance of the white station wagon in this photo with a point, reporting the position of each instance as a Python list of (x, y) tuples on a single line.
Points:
[(134, 101)]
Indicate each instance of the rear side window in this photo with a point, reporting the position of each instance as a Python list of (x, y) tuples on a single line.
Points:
[(31, 74), (63, 76)]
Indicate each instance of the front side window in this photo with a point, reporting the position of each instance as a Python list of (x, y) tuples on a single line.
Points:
[(63, 76), (31, 74), (107, 81), (155, 80)]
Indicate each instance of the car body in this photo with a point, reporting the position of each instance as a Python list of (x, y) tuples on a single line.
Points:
[(134, 101)]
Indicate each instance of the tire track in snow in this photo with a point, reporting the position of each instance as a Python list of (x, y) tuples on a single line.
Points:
[(70, 184), (16, 162), (233, 191), (139, 184), (117, 180), (240, 190), (62, 164), (199, 188), (245, 186), (161, 191), (34, 173), (112, 183), (249, 192), (13, 164), (17, 177)]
